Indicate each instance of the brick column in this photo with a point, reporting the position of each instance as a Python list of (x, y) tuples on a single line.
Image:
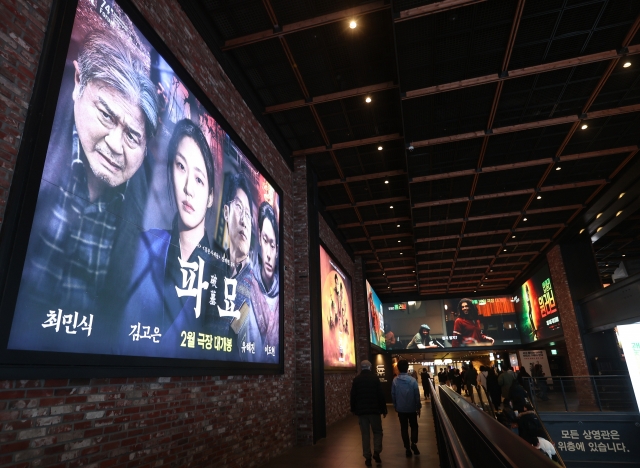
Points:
[(303, 373), (571, 329)]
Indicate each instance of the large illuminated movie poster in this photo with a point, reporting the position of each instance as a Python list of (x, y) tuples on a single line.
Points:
[(451, 323), (153, 234), (629, 338), (537, 309), (376, 318), (338, 338)]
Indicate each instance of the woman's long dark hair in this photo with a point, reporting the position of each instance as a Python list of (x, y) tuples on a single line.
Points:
[(187, 128), (473, 310)]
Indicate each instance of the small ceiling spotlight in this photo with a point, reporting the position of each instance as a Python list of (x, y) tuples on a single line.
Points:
[(400, 253), (558, 168), (504, 250), (539, 197), (379, 148), (598, 215), (399, 241), (618, 213), (386, 181), (624, 255), (584, 126), (621, 195), (524, 219), (368, 99), (581, 231), (626, 64), (391, 207), (513, 237), (398, 225), (353, 24), (599, 229)]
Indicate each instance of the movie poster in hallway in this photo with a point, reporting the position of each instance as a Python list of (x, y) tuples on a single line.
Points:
[(537, 308), (451, 323), (155, 234), (376, 318), (338, 340)]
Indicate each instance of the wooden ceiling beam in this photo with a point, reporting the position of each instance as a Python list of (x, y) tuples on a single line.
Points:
[(380, 201), (348, 93), (511, 193), (329, 18), (347, 144), (433, 8), (575, 119), (386, 236), (377, 175), (374, 222), (522, 72), (523, 164)]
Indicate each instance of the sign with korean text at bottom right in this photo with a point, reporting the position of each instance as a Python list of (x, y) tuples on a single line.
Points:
[(599, 438)]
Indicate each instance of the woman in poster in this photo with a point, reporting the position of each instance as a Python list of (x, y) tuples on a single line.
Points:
[(173, 270), (467, 328)]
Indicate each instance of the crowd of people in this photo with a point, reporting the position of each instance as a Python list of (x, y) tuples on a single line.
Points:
[(507, 390)]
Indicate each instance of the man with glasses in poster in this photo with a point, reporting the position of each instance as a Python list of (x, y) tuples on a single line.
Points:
[(238, 283), (98, 143)]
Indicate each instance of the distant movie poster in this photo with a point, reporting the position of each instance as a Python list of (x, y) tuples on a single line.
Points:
[(537, 309), (451, 323), (376, 318), (338, 337), (153, 234)]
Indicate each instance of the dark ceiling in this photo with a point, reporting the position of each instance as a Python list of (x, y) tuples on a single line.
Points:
[(493, 126)]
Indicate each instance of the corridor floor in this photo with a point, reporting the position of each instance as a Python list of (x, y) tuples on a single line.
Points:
[(342, 448)]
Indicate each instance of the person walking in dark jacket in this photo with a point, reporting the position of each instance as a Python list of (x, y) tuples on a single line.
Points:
[(406, 401), (470, 380), (368, 403)]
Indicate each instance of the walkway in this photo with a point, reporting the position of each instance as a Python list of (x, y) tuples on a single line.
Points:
[(343, 446)]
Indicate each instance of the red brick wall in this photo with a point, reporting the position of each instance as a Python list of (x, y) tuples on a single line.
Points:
[(338, 385), (176, 421)]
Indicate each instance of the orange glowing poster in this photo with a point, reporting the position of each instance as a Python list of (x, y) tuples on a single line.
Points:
[(337, 314)]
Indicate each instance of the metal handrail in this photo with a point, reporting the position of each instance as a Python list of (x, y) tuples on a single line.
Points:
[(457, 455), (592, 392), (513, 450)]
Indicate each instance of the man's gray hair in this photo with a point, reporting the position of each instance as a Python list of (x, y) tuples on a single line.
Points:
[(106, 57)]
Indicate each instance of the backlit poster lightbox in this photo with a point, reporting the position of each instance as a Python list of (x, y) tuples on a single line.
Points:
[(155, 234), (338, 338), (629, 337), (376, 318), (537, 308)]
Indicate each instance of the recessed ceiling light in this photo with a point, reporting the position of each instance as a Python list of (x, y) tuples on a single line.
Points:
[(379, 148), (353, 25), (367, 100), (581, 230), (415, 270), (399, 241), (599, 229), (400, 253), (606, 264), (386, 181), (391, 207), (539, 197), (513, 237), (504, 250), (398, 225), (383, 274), (624, 255), (388, 287), (558, 168), (524, 219), (490, 270), (626, 64), (621, 195), (584, 126), (474, 290), (598, 215)]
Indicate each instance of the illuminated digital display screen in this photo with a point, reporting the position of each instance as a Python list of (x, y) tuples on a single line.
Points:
[(451, 323)]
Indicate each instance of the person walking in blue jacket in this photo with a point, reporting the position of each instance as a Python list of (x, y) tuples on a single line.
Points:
[(406, 401)]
